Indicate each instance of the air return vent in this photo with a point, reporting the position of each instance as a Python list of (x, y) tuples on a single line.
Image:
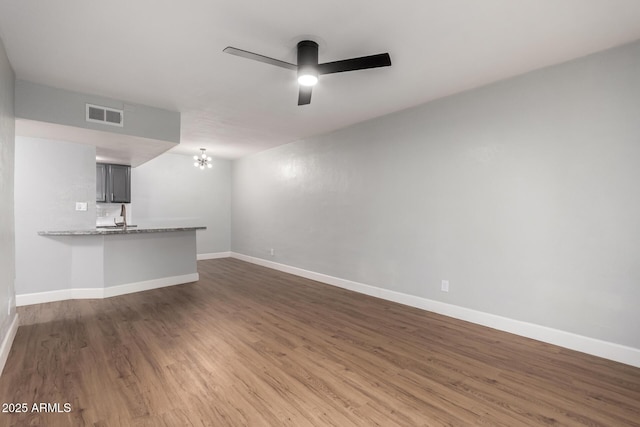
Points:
[(105, 115)]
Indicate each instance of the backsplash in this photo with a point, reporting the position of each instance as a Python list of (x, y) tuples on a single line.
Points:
[(106, 213)]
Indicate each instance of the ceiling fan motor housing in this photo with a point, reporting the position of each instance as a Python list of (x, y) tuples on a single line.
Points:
[(307, 53)]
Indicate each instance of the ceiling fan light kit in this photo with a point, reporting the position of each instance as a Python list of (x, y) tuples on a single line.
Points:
[(307, 78), (308, 68)]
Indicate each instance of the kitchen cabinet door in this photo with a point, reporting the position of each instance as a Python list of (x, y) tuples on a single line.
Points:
[(119, 183), (101, 183)]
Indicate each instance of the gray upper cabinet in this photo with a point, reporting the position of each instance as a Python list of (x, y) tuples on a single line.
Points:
[(119, 183), (113, 183)]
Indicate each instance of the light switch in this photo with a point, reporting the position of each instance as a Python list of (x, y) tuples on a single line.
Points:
[(81, 206)]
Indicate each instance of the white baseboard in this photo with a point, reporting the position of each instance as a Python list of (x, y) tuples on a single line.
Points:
[(214, 255), (99, 293), (5, 348), (49, 296), (605, 349)]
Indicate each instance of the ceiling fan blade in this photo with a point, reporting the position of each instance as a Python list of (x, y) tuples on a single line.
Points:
[(362, 63), (304, 95), (260, 58)]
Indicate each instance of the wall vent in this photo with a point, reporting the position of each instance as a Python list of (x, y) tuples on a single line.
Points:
[(105, 115)]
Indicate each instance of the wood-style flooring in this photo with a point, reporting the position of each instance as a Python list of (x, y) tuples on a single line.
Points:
[(250, 346)]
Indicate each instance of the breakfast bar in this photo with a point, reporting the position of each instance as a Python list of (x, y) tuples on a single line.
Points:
[(110, 262)]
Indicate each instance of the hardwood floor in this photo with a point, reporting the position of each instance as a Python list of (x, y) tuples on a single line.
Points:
[(251, 346)]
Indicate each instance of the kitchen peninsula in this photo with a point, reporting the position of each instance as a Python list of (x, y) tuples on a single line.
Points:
[(110, 262)]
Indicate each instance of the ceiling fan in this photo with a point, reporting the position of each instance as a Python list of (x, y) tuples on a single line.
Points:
[(308, 68)]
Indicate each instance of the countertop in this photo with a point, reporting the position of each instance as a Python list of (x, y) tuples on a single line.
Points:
[(109, 231)]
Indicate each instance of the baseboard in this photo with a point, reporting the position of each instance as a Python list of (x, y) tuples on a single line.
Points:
[(214, 255), (605, 349), (99, 293), (48, 296), (5, 348)]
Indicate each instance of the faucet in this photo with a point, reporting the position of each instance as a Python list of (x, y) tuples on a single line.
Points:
[(123, 214)]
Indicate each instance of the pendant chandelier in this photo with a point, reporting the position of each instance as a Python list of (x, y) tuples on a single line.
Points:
[(202, 161)]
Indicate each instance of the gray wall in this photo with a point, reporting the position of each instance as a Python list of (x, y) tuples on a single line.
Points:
[(50, 177), (131, 258), (7, 143), (48, 104), (169, 190), (523, 194)]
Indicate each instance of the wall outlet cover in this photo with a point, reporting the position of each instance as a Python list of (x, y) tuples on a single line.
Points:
[(81, 206), (444, 287)]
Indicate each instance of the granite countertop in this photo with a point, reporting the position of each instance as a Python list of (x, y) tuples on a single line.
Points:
[(108, 231)]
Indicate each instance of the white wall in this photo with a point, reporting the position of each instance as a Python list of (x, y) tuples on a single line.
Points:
[(169, 190), (7, 247), (50, 177), (523, 194)]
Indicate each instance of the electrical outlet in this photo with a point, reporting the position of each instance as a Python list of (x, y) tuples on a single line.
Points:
[(272, 252), (81, 206), (444, 287)]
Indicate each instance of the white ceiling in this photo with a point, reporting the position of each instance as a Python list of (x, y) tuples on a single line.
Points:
[(168, 54)]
